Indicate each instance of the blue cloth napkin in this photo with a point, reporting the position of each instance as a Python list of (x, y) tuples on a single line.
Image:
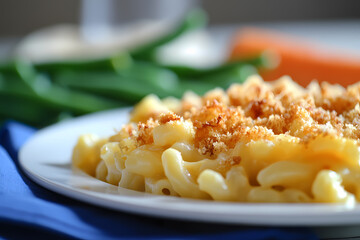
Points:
[(28, 210)]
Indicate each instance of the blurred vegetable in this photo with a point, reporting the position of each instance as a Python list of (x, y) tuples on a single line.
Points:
[(301, 61), (40, 94), (222, 79), (26, 111), (18, 102), (116, 62), (195, 19), (37, 88), (236, 74), (259, 60), (109, 84)]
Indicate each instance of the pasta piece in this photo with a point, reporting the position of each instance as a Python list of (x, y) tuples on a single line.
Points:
[(288, 175), (295, 196), (127, 145), (238, 182), (351, 181), (269, 195), (171, 103), (257, 155), (234, 188), (215, 185), (188, 151), (179, 177), (86, 153), (327, 188), (336, 150), (110, 154), (132, 181), (172, 132), (159, 186), (195, 168), (101, 171), (145, 162), (190, 100), (146, 108), (220, 164), (264, 194)]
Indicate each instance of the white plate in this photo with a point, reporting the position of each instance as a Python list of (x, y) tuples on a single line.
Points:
[(46, 160)]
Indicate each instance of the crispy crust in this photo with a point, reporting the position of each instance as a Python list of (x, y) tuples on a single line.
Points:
[(261, 110)]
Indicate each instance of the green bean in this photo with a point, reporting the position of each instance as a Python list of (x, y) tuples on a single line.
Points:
[(7, 67), (195, 86), (19, 103), (148, 73), (193, 20), (61, 98), (109, 84), (224, 79), (20, 109), (78, 102), (221, 79), (11, 85), (116, 62), (202, 73)]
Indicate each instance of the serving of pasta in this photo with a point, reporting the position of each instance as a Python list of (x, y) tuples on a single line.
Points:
[(256, 142)]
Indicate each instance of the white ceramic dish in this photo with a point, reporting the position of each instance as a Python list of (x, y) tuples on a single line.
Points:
[(46, 159)]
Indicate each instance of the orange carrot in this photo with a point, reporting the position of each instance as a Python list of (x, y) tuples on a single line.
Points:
[(302, 61)]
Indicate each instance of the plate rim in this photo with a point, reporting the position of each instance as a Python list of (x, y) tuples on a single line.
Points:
[(347, 216)]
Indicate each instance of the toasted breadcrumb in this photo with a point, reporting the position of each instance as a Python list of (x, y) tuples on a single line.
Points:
[(145, 132), (260, 110)]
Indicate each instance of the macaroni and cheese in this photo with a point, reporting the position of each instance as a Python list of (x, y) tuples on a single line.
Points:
[(256, 142)]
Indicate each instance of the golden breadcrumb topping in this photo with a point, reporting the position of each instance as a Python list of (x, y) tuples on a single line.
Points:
[(260, 110)]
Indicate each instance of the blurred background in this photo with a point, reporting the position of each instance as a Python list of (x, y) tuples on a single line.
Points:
[(61, 59), (19, 17)]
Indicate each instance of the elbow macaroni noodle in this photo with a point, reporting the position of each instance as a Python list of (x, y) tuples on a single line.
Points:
[(257, 142)]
